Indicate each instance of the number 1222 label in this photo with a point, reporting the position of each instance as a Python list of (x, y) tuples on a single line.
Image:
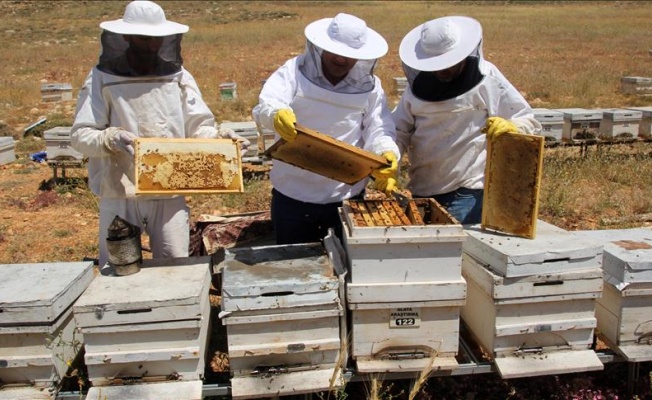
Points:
[(407, 317)]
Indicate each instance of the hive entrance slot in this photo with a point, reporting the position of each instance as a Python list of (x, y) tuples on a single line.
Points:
[(135, 311), (549, 283), (275, 294), (554, 260)]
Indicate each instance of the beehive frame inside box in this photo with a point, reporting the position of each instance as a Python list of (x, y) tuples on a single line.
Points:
[(187, 166), (512, 182)]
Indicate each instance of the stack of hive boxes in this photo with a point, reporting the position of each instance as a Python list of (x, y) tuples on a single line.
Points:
[(405, 286), (283, 313), (580, 124), (625, 310), (37, 331), (552, 123), (618, 123), (147, 328), (531, 302), (7, 150)]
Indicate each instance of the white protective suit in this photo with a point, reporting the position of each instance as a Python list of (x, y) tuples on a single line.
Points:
[(360, 119), (443, 139)]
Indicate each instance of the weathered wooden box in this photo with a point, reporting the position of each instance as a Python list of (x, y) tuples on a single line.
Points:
[(627, 253), (7, 150), (191, 390), (552, 123), (283, 310), (405, 326), (554, 250), (638, 85), (57, 144), (580, 124), (409, 253), (620, 123), (152, 324), (37, 331), (645, 126), (541, 324)]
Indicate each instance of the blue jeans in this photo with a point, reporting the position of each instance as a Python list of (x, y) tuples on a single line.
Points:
[(463, 204), (299, 222)]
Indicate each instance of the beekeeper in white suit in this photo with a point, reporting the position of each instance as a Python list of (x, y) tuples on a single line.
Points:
[(453, 97), (139, 88), (330, 88)]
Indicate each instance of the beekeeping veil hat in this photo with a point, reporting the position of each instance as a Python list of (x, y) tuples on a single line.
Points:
[(347, 36), (141, 18), (146, 18), (440, 43)]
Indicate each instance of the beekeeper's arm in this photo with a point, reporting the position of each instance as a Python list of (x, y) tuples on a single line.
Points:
[(91, 134), (273, 111), (512, 113), (404, 121)]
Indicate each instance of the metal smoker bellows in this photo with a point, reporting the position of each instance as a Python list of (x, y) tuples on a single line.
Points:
[(124, 247)]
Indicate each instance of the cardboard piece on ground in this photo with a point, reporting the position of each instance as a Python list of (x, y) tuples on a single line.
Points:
[(326, 156), (187, 166), (512, 183)]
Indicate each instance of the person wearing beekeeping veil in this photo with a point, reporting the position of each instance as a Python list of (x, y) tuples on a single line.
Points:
[(455, 101), (139, 88), (330, 88)]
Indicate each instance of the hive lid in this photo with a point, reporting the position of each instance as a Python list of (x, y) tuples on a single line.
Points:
[(580, 114), (547, 115), (548, 363), (326, 156), (40, 293), (553, 250), (57, 132), (627, 252), (512, 181), (187, 166), (278, 277), (163, 290), (6, 141), (621, 114)]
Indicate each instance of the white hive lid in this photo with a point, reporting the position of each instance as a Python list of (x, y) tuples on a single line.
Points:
[(39, 293)]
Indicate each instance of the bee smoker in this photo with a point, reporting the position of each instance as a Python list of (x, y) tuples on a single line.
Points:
[(124, 247)]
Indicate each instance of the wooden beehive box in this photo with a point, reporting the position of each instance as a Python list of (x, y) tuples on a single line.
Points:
[(57, 144), (514, 167), (187, 166), (401, 327), (248, 130), (282, 309), (618, 123), (645, 126), (552, 123), (7, 150), (637, 85), (383, 247), (152, 324), (542, 324), (326, 156), (35, 310), (160, 391), (554, 250), (580, 124)]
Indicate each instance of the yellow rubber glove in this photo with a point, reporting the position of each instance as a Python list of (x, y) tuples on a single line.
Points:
[(284, 121), (496, 126), (386, 178)]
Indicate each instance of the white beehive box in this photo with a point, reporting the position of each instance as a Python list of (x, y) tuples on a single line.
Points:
[(624, 316), (403, 253), (637, 85), (7, 150), (627, 253), (56, 92), (620, 123), (554, 250), (405, 327), (400, 83), (153, 323), (552, 123), (36, 309), (645, 126), (541, 324), (248, 130), (580, 124), (57, 144), (283, 310)]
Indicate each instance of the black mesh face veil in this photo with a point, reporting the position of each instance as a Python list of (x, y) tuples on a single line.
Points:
[(360, 78), (114, 59)]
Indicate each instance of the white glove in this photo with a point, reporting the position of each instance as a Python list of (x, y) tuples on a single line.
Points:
[(117, 139), (228, 133)]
